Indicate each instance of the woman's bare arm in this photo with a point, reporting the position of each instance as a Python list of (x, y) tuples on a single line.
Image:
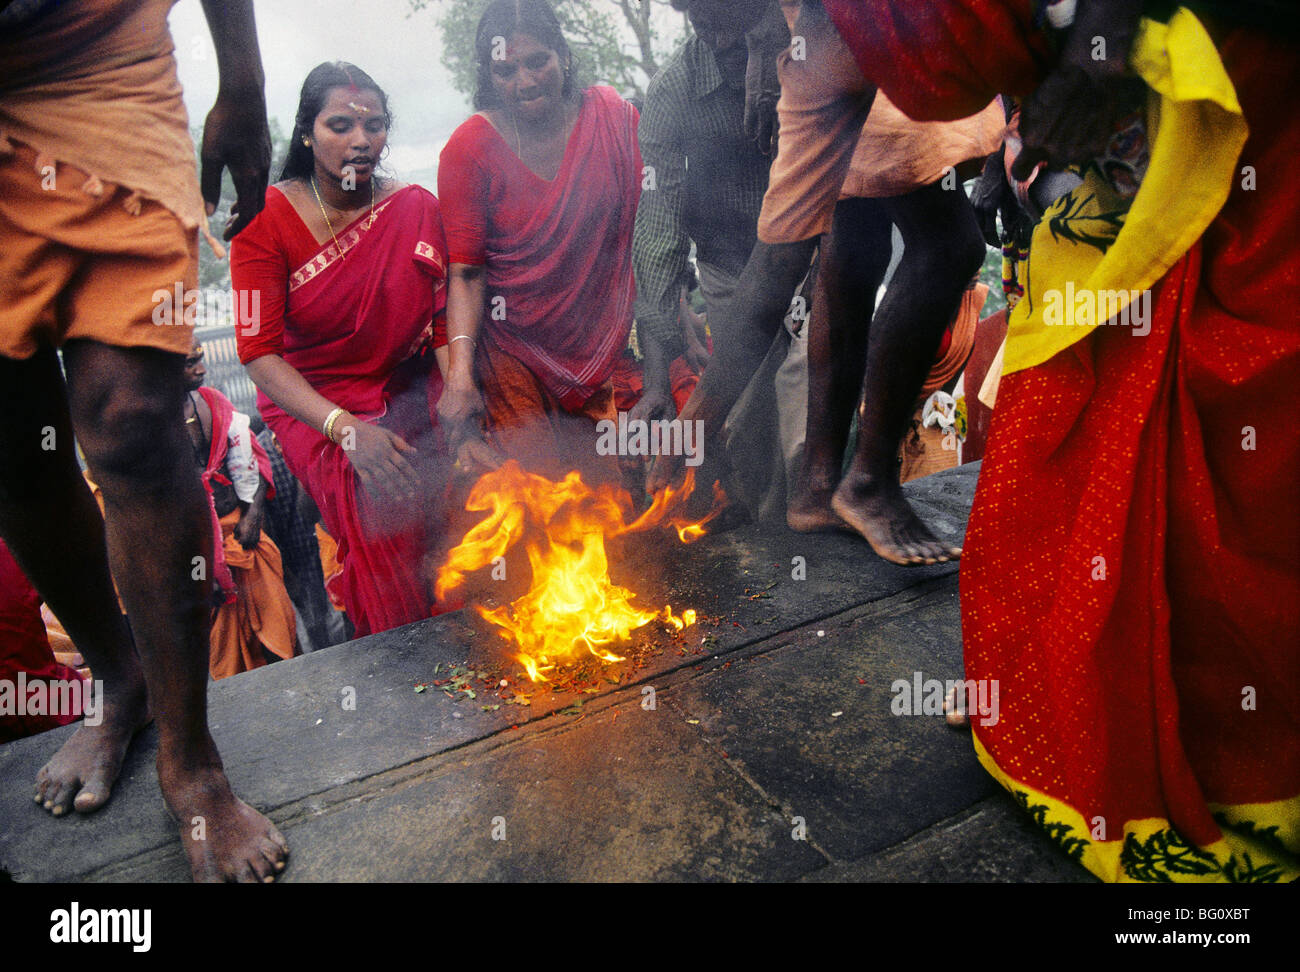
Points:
[(285, 386)]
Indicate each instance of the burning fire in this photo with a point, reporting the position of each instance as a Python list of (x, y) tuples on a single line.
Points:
[(572, 604)]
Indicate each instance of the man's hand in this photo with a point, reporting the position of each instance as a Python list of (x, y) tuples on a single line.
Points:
[(654, 403), (1072, 116), (460, 411), (1077, 108), (695, 331), (478, 456), (235, 135), (992, 196), (248, 531), (762, 88)]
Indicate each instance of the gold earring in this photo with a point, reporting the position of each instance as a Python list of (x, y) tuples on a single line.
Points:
[(306, 141)]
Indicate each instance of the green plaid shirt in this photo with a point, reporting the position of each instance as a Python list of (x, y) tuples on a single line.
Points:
[(708, 185)]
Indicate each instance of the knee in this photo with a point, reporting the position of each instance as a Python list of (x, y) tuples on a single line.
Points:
[(129, 433)]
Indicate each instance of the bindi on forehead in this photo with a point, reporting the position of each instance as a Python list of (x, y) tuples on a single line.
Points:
[(522, 45), (354, 103)]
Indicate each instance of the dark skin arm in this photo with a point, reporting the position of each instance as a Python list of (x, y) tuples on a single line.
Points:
[(235, 134), (656, 398), (768, 38), (248, 531), (1072, 115)]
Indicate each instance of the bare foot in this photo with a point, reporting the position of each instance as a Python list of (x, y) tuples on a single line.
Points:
[(886, 520), (82, 773), (224, 838), (954, 712), (809, 511)]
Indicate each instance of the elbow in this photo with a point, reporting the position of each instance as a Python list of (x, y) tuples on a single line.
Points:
[(261, 370), (467, 273)]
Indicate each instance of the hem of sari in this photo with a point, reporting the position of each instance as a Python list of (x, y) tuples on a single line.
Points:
[(1252, 849)]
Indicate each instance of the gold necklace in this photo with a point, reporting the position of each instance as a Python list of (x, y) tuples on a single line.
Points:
[(321, 204)]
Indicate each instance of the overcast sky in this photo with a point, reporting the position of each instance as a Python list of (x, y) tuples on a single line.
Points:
[(400, 50)]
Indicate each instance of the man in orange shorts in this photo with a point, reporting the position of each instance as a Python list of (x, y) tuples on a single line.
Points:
[(99, 213)]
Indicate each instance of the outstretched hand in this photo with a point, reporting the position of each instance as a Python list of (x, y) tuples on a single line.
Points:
[(460, 414), (235, 137), (382, 460)]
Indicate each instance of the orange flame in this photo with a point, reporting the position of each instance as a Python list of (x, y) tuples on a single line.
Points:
[(572, 604)]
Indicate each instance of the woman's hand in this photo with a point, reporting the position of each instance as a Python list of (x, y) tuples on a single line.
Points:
[(460, 413), (380, 458), (460, 410)]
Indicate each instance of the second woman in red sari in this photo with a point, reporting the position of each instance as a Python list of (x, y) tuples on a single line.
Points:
[(539, 191), (342, 293)]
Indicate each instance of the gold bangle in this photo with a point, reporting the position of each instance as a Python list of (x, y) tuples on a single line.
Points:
[(328, 427)]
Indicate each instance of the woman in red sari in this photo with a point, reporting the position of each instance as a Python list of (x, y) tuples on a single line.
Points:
[(342, 293), (1131, 569), (539, 192)]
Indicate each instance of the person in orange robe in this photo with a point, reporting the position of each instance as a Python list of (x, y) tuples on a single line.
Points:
[(256, 615)]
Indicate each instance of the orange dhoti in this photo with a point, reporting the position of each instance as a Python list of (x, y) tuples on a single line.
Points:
[(261, 616)]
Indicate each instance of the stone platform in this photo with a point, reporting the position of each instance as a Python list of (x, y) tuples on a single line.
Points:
[(700, 758)]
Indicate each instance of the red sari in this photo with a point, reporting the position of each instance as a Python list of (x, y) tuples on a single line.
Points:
[(359, 326), (1131, 575), (1132, 567), (558, 254), (25, 648)]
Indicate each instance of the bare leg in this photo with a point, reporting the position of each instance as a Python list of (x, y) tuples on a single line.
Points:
[(126, 406), (742, 331), (854, 258), (942, 250), (51, 523)]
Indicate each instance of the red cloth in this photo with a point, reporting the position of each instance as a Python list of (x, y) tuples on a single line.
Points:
[(359, 330), (222, 412), (629, 384), (558, 254), (24, 648), (988, 339), (1122, 678), (940, 60)]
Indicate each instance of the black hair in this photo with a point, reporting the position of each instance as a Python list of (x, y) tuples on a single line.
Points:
[(505, 17), (301, 161)]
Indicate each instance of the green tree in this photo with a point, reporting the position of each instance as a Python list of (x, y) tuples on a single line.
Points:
[(615, 42)]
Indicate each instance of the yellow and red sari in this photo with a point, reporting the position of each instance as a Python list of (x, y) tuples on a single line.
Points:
[(1131, 576)]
